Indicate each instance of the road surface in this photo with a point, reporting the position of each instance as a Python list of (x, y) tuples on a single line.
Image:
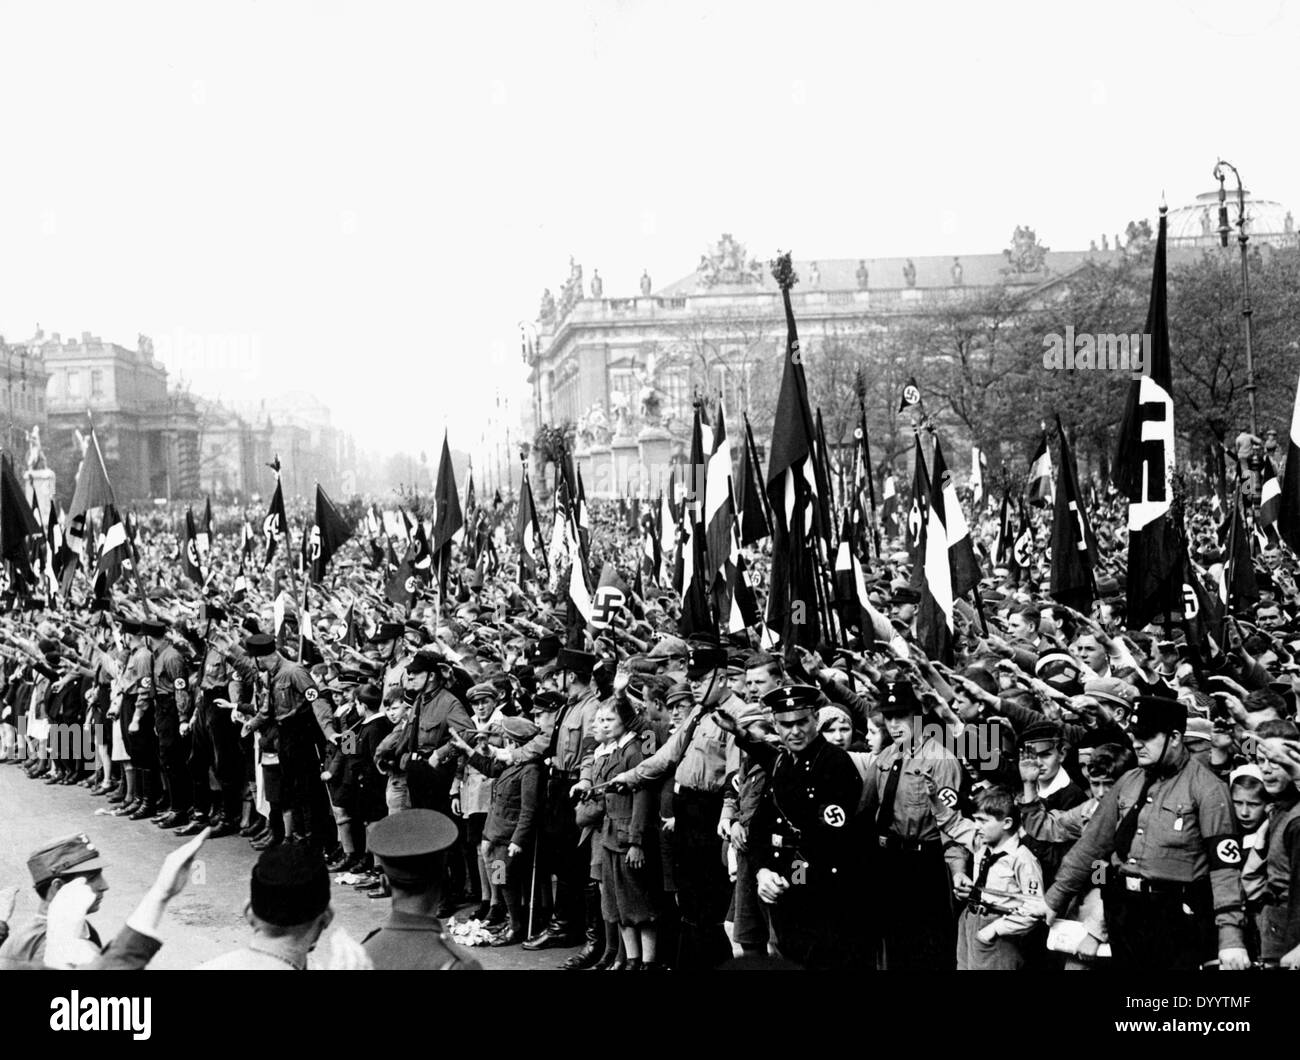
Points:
[(207, 919)]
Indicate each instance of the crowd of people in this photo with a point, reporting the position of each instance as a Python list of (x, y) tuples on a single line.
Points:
[(1071, 793)]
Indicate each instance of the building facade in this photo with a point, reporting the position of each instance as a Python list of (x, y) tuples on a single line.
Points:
[(625, 371)]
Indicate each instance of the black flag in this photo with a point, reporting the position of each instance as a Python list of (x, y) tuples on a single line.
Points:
[(1073, 546), (327, 536), (1144, 468)]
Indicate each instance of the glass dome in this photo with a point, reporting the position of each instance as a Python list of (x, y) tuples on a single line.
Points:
[(1198, 223)]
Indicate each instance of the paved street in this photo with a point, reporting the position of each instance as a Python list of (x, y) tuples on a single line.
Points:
[(204, 921)]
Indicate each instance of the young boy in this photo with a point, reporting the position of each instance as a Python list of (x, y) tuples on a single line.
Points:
[(1250, 808), (989, 931)]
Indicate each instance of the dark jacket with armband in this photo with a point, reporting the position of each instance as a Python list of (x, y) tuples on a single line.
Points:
[(293, 693), (1185, 832)]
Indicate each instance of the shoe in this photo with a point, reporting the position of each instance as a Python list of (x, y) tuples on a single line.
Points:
[(172, 820), (220, 830), (118, 797), (632, 964), (584, 958), (99, 791), (446, 909), (126, 808), (143, 812), (480, 911), (606, 959), (508, 937), (552, 936), (496, 916), (652, 966), (259, 835), (366, 881), (159, 813), (267, 843), (253, 828), (193, 828), (53, 778), (619, 964), (339, 862)]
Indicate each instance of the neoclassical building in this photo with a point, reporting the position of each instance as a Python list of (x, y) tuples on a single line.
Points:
[(624, 369)]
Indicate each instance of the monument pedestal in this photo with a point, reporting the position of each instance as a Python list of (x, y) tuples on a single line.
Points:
[(626, 459), (655, 447)]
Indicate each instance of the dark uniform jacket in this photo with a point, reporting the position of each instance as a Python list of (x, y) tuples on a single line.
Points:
[(1280, 917), (294, 694), (406, 941), (1185, 833)]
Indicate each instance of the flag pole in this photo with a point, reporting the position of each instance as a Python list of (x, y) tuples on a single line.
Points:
[(758, 479), (860, 385)]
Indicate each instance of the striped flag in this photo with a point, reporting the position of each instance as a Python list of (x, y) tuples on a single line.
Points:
[(978, 465), (114, 550), (855, 606), (934, 623), (1270, 497), (696, 616), (667, 534), (1040, 475), (961, 550), (528, 533)]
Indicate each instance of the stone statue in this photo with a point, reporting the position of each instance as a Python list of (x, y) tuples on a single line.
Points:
[(814, 275), (597, 284), (144, 344), (862, 274), (35, 458), (726, 265), (645, 282), (618, 404), (597, 425), (1288, 223), (1118, 244), (546, 314), (1092, 244), (1026, 254), (956, 272), (909, 273), (1105, 243)]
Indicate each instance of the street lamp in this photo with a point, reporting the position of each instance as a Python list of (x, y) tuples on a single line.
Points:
[(1242, 238)]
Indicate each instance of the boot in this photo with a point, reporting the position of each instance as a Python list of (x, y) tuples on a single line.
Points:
[(127, 808), (595, 934), (144, 812), (220, 829)]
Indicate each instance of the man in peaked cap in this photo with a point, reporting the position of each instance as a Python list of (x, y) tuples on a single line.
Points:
[(1042, 753), (806, 837), (409, 847), (52, 865), (918, 866), (1167, 839)]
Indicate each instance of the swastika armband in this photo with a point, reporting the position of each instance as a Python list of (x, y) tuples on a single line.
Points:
[(1224, 851), (310, 695), (179, 684), (948, 797)]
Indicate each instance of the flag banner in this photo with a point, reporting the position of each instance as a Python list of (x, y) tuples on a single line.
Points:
[(1041, 490), (191, 555), (328, 534), (918, 513), (448, 519), (978, 465), (696, 616), (93, 490), (934, 623), (1144, 467), (911, 395), (1074, 550), (1288, 509), (528, 533)]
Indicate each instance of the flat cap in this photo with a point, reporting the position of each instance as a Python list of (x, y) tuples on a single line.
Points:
[(483, 690), (520, 729)]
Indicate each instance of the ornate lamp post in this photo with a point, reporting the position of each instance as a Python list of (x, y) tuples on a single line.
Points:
[(1242, 238)]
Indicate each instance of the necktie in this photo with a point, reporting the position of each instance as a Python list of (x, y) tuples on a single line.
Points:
[(1127, 828), (982, 877), (885, 815)]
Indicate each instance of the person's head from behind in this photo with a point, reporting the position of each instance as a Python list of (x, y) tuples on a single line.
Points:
[(1249, 798), (996, 815), (289, 895)]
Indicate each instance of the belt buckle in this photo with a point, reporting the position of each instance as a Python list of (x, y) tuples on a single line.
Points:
[(1133, 883), (883, 841), (777, 841)]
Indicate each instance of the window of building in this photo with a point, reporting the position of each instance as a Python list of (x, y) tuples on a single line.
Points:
[(74, 384), (96, 383)]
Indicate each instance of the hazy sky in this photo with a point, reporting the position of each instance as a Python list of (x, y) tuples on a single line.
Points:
[(363, 199)]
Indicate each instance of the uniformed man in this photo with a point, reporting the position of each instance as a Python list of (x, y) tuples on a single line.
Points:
[(1164, 843), (409, 847), (214, 735), (916, 866), (806, 837), (302, 718), (56, 863), (430, 760), (576, 915), (141, 739), (700, 758), (166, 695)]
